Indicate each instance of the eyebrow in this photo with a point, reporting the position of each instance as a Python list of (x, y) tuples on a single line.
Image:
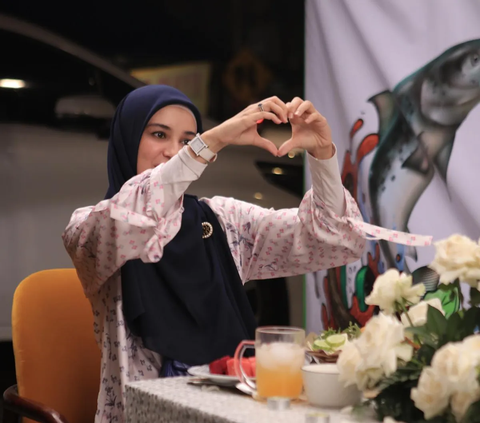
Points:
[(161, 125)]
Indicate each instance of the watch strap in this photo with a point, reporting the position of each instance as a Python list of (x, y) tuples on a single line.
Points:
[(200, 148)]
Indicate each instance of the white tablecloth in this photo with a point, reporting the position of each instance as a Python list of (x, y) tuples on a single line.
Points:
[(172, 400)]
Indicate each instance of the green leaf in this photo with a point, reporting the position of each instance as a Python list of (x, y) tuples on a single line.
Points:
[(353, 331), (459, 291), (454, 288), (446, 287), (454, 328), (409, 372), (425, 354), (471, 320), (474, 297), (436, 322), (449, 305), (418, 330), (395, 402), (424, 335), (473, 413)]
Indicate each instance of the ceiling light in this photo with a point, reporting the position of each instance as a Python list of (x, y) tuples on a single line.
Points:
[(258, 196), (12, 83), (277, 171)]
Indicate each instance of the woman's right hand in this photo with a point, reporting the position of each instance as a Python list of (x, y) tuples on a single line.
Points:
[(241, 129)]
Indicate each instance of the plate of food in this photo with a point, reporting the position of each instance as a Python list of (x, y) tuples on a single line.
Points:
[(327, 346), (222, 371)]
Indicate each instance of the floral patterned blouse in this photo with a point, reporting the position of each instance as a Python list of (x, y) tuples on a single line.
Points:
[(146, 214)]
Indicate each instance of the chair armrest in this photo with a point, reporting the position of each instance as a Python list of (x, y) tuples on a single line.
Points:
[(28, 408)]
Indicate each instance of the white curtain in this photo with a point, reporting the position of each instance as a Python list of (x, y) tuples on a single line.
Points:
[(399, 82)]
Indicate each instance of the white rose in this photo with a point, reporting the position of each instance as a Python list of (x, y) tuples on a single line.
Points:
[(353, 370), (404, 352), (418, 312), (347, 363), (375, 354), (379, 344), (391, 287), (462, 400), (384, 294), (408, 292), (457, 257), (454, 363), (471, 345), (367, 378), (366, 360), (432, 393)]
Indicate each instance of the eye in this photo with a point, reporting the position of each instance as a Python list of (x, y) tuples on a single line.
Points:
[(159, 134), (474, 59), (185, 142)]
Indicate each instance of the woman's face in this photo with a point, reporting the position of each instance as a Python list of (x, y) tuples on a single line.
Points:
[(164, 136)]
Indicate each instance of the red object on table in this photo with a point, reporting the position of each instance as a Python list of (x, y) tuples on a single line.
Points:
[(226, 366), (253, 366), (246, 364), (219, 367)]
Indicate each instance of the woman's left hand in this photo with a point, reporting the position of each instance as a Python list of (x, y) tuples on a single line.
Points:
[(310, 130)]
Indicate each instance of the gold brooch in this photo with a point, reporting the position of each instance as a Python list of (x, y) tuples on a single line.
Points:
[(207, 230)]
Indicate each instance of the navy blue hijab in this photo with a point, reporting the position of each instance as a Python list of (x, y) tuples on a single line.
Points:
[(191, 306)]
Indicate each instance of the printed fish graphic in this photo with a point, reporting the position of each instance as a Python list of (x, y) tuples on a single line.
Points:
[(417, 126)]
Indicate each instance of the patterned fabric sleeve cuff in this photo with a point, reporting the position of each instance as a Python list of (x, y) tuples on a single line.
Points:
[(194, 165), (327, 182)]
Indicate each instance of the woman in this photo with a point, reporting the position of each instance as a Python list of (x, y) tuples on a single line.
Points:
[(164, 272)]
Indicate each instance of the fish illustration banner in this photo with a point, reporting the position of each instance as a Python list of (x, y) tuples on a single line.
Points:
[(399, 82)]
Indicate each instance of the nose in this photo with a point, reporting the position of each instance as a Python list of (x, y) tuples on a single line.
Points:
[(171, 149)]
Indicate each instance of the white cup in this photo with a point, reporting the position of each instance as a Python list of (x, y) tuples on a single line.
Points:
[(323, 388)]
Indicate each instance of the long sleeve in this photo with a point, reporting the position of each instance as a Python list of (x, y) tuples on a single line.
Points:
[(327, 183), (136, 223), (267, 243)]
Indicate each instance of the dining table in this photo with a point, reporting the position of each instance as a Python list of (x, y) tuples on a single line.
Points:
[(177, 400)]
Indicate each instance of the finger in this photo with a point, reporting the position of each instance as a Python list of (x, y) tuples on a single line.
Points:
[(275, 100), (250, 109), (293, 106), (314, 117), (265, 144), (286, 147), (276, 105), (306, 106), (255, 117), (279, 110), (304, 117)]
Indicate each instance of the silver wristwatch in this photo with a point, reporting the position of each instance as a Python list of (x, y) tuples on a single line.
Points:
[(201, 149)]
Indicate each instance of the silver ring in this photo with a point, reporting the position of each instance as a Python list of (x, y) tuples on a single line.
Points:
[(260, 107)]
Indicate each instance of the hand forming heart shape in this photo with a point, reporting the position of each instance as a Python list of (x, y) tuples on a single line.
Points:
[(310, 130)]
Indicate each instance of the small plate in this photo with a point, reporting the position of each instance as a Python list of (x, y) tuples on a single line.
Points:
[(204, 372)]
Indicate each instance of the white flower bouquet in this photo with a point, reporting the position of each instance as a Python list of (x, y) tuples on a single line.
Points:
[(412, 362)]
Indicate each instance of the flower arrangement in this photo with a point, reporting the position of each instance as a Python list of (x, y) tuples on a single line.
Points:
[(412, 362)]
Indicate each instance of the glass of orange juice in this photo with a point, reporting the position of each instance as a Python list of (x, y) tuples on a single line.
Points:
[(280, 356)]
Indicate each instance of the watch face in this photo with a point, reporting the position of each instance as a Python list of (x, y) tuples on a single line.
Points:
[(196, 145)]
